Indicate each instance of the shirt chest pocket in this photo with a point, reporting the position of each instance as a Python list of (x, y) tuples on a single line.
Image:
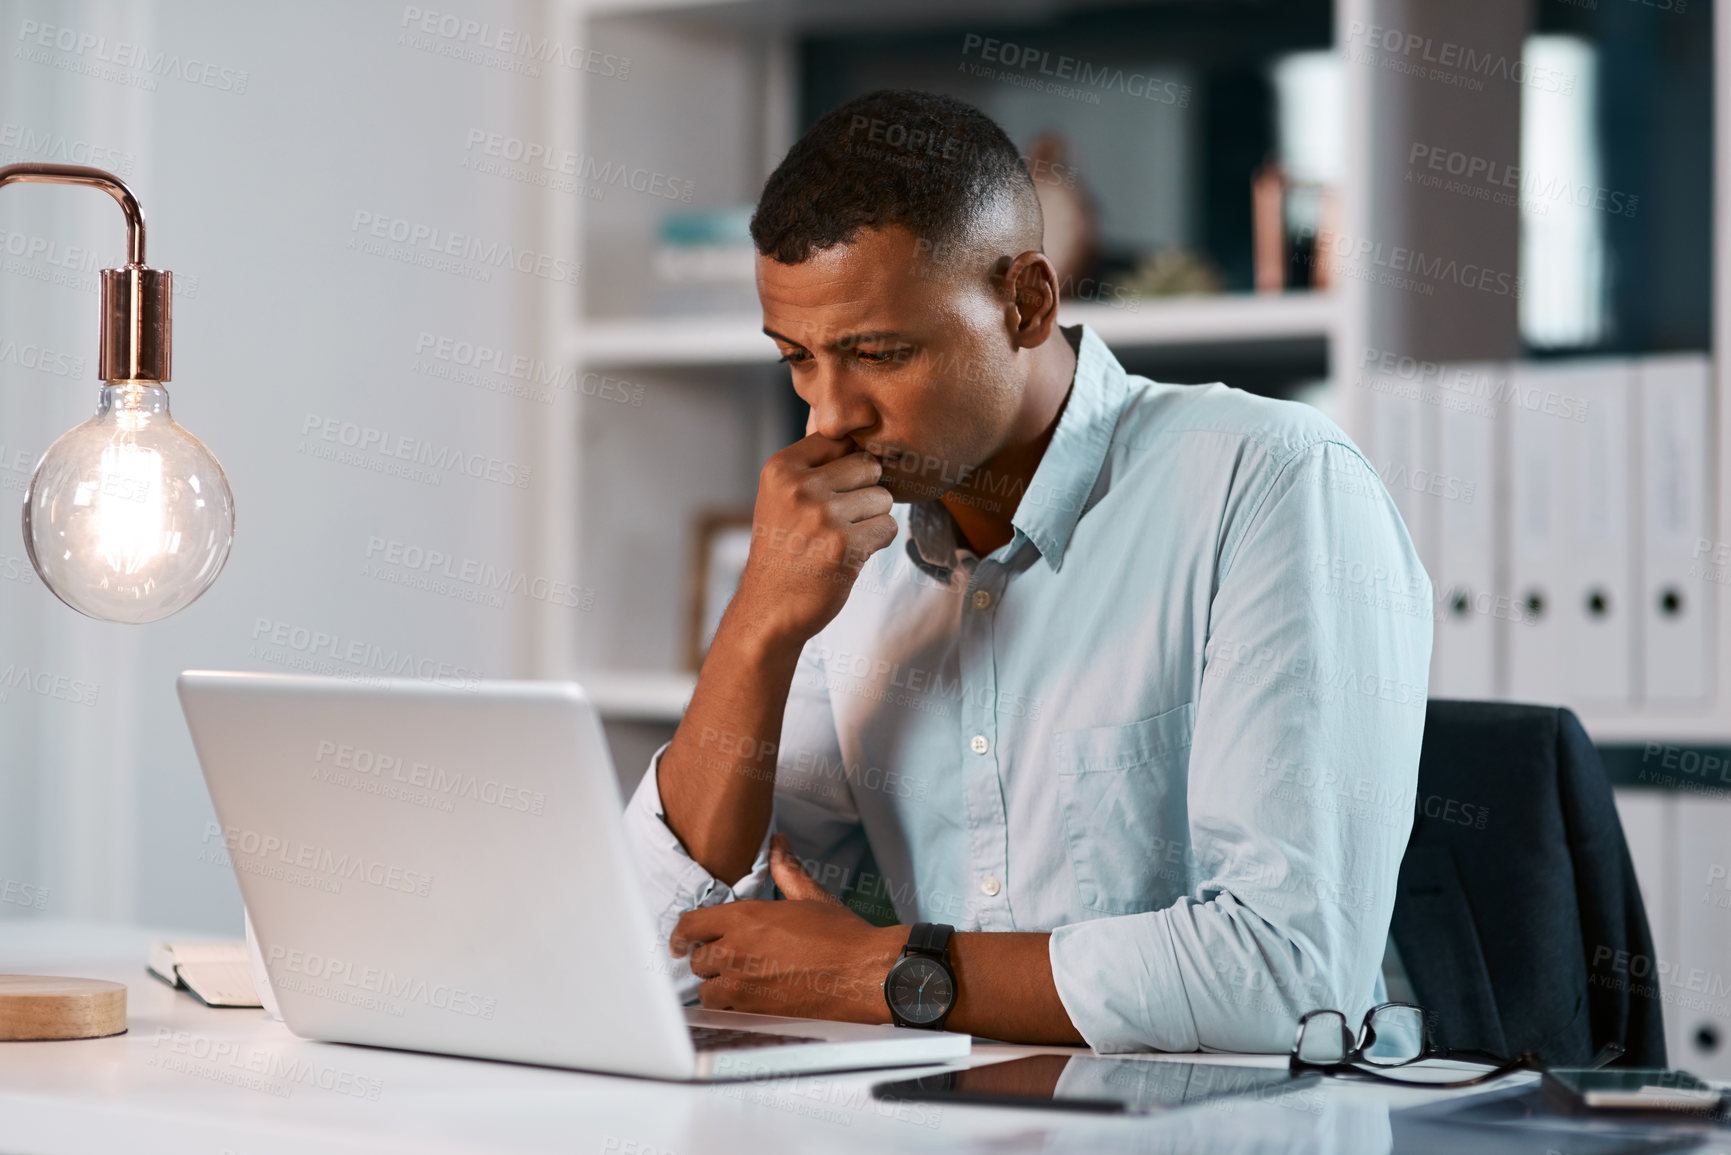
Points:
[(1123, 797)]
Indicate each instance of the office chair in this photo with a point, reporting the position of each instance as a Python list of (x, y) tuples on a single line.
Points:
[(1517, 915)]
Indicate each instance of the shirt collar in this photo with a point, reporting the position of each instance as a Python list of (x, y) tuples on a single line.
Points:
[(1058, 492)]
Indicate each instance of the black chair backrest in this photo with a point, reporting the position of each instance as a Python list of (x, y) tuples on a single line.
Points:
[(1518, 917)]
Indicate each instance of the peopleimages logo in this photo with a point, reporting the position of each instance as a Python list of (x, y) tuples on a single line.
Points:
[(335, 979), (49, 252), (1458, 65), (40, 359), (500, 151), (401, 559), (1474, 385), (1483, 178), (424, 775), (1077, 75), (1378, 263), (69, 266), (437, 249), (317, 651), (18, 142), (538, 379), (44, 684), (381, 443), (23, 894), (253, 1068), (502, 47), (337, 866), (16, 466), (121, 61)]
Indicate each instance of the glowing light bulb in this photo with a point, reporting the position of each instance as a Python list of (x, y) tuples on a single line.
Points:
[(129, 517)]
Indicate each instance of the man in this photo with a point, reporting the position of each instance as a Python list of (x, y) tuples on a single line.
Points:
[(1129, 692)]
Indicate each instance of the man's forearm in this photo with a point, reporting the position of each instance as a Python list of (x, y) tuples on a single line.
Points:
[(819, 515), (811, 957), (1005, 990), (717, 779)]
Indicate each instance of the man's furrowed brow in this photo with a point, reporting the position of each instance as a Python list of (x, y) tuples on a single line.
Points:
[(854, 340), (844, 341)]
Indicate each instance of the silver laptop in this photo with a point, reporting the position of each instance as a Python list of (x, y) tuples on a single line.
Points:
[(444, 868)]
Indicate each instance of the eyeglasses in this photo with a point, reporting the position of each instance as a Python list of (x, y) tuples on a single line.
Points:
[(1397, 1035)]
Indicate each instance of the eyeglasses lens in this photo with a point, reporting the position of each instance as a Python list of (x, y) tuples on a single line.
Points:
[(1323, 1038), (1394, 1036)]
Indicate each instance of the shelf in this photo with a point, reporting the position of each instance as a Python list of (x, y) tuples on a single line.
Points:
[(724, 339), (639, 695), (785, 16), (1224, 320), (1629, 728), (615, 8), (1176, 322)]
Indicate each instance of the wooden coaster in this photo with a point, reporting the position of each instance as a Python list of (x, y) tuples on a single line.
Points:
[(44, 1007)]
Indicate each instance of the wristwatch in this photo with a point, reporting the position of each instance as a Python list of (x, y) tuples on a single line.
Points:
[(921, 987)]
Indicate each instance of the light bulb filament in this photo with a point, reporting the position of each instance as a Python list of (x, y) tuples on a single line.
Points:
[(129, 507)]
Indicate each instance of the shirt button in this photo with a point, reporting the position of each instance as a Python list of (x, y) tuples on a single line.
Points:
[(979, 745), (982, 599), (989, 886)]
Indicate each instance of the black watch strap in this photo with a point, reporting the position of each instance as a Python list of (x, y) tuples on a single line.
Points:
[(931, 938)]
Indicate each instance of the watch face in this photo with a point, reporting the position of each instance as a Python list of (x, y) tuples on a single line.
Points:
[(920, 989)]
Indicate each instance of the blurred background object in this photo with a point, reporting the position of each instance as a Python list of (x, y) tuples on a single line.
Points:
[(1071, 221), (704, 262), (1283, 255), (721, 545)]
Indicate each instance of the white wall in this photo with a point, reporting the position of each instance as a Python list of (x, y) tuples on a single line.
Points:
[(255, 193)]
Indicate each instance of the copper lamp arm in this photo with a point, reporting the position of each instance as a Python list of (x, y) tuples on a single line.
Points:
[(93, 178), (136, 339)]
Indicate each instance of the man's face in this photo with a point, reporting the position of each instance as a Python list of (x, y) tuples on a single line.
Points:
[(907, 356)]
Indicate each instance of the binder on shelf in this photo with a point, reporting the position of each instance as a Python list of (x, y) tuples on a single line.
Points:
[(1471, 610), (1401, 447), (1679, 578), (1401, 450), (1694, 979), (1597, 595), (1649, 820), (1534, 544)]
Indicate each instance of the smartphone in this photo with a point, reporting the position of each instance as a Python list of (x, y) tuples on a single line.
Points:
[(1632, 1089), (1091, 1083)]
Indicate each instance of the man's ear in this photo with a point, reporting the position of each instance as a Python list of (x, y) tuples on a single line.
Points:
[(1031, 308)]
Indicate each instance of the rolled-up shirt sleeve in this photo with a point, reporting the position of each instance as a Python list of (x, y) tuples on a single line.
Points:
[(813, 807), (1301, 781)]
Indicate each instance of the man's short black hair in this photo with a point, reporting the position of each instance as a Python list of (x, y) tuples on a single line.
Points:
[(929, 163)]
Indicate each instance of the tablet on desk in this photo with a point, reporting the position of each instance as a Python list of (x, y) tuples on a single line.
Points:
[(1633, 1089), (1091, 1083)]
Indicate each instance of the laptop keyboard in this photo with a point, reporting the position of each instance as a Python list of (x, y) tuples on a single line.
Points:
[(728, 1039)]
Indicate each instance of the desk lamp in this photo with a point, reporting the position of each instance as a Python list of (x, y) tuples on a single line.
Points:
[(128, 519)]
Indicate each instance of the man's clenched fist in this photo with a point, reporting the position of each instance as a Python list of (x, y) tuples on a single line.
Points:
[(820, 514)]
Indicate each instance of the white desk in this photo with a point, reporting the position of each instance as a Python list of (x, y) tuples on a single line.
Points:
[(187, 1080)]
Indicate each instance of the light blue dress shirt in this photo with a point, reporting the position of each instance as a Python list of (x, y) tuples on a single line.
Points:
[(1175, 721)]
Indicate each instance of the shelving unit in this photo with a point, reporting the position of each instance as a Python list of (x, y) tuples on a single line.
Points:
[(714, 403), (1199, 323), (1224, 322)]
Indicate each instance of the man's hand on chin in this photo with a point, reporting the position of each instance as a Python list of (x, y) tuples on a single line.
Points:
[(809, 956)]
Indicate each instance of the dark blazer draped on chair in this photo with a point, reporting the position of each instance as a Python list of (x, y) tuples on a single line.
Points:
[(1518, 918)]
